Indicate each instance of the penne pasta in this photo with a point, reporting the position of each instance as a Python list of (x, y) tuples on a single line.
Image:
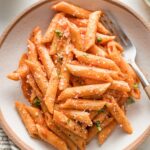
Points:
[(101, 29), (45, 59), (92, 132), (57, 59), (102, 114), (97, 50), (64, 78), (37, 36), (55, 47), (80, 142), (95, 60), (69, 124), (83, 23), (43, 107), (120, 117), (92, 72), (120, 86), (76, 81), (34, 86), (22, 70), (50, 31), (119, 96), (83, 104), (32, 97), (103, 39), (78, 22), (32, 52), (26, 89), (36, 114), (135, 93), (27, 119), (51, 92), (64, 73), (81, 91), (14, 76), (91, 81), (58, 132), (131, 78), (98, 127), (61, 36), (107, 121), (76, 36), (33, 33), (51, 138), (90, 36), (125, 68), (93, 114), (71, 10), (103, 135), (38, 75), (80, 116), (114, 45)]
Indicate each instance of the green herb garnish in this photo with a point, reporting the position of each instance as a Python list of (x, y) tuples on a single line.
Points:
[(59, 33), (99, 39), (101, 111), (130, 100), (97, 123), (105, 106), (37, 102), (135, 86), (59, 58)]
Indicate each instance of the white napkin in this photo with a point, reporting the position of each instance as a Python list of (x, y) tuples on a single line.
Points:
[(5, 142)]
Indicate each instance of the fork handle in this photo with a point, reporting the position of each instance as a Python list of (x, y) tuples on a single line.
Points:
[(147, 90), (142, 77)]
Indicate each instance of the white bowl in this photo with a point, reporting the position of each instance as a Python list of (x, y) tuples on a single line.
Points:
[(13, 44)]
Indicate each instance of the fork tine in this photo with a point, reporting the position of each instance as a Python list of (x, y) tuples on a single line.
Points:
[(107, 22), (113, 25)]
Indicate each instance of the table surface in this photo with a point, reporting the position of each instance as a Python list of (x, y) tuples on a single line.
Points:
[(9, 9)]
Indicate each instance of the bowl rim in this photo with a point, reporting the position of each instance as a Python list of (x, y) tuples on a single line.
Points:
[(6, 32), (147, 2)]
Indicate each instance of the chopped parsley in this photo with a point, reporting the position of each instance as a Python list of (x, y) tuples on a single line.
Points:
[(37, 102), (101, 111), (59, 58), (130, 100), (99, 39), (105, 106), (135, 86), (97, 123), (59, 33)]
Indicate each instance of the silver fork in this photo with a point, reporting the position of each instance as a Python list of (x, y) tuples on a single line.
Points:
[(130, 50)]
